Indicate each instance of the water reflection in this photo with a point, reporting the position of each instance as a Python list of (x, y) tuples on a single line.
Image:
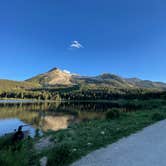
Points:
[(45, 116), (56, 123)]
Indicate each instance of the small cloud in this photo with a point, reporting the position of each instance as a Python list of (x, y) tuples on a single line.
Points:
[(76, 44)]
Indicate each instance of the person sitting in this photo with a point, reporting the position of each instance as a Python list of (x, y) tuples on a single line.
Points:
[(19, 135)]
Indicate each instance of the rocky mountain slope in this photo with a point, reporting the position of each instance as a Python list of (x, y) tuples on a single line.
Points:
[(56, 76)]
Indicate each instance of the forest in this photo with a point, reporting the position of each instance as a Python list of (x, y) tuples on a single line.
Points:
[(76, 93)]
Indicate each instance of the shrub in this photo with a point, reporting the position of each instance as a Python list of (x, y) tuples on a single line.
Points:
[(6, 142), (158, 116), (2, 161), (113, 114), (60, 155)]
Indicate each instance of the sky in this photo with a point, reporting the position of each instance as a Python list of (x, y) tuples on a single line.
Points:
[(88, 37)]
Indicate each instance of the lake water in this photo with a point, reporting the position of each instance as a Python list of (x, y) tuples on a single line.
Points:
[(48, 116)]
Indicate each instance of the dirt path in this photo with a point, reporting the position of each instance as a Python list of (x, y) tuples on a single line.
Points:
[(146, 148), (43, 143)]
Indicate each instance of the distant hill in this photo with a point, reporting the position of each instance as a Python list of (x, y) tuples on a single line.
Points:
[(15, 85), (56, 77)]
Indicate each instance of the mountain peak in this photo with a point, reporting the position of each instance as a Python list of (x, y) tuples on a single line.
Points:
[(53, 69), (55, 76)]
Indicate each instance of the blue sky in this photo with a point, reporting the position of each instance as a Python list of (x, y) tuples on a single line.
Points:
[(88, 37)]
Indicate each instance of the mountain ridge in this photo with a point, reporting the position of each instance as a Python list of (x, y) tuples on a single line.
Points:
[(56, 76)]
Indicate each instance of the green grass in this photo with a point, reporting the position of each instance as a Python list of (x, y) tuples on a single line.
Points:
[(20, 154), (80, 139), (83, 138)]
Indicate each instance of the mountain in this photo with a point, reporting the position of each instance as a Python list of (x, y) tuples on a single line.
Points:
[(146, 83), (56, 77)]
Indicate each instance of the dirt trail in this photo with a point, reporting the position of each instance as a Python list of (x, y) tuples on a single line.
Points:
[(43, 143), (145, 148)]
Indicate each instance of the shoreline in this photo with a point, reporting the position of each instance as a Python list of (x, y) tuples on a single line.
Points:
[(78, 140), (65, 146)]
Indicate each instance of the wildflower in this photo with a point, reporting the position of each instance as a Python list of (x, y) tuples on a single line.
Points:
[(102, 132)]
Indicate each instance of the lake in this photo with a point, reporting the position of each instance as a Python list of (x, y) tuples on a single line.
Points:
[(48, 116)]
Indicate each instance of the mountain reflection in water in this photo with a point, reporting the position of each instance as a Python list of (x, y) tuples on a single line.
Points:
[(52, 116), (45, 116), (56, 123)]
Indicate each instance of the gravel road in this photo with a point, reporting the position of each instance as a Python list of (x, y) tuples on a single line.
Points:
[(145, 148)]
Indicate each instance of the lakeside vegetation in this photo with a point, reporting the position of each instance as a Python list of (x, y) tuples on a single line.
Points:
[(79, 139)]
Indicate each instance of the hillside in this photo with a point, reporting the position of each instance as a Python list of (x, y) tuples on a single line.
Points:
[(16, 85), (56, 77)]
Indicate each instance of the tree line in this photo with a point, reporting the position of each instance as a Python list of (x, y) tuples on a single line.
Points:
[(83, 94)]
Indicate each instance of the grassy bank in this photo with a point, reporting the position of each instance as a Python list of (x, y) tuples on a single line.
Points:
[(21, 154), (79, 139)]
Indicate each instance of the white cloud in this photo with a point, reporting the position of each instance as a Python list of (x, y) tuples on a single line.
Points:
[(76, 44)]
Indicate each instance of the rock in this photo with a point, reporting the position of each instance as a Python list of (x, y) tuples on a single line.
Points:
[(43, 161)]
